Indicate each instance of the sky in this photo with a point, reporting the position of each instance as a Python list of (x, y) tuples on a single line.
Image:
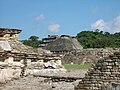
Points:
[(58, 17)]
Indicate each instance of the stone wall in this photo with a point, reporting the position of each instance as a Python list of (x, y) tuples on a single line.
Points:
[(9, 34), (15, 65), (9, 69), (111, 86), (102, 73), (43, 63), (88, 56)]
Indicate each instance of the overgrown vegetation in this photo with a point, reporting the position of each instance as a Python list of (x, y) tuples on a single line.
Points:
[(99, 39), (77, 66), (32, 41)]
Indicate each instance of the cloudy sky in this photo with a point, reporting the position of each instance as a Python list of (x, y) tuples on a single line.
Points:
[(43, 17)]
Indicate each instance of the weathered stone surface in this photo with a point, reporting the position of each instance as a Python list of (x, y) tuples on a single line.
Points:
[(111, 86), (5, 45), (87, 55), (9, 34), (105, 71), (61, 44), (18, 60), (42, 81)]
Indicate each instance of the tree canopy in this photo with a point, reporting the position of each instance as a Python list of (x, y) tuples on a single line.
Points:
[(99, 39), (32, 41), (33, 38)]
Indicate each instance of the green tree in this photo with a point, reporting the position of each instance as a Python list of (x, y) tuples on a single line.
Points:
[(32, 41), (33, 38), (99, 39)]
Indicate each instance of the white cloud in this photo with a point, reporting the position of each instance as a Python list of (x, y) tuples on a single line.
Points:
[(40, 18), (116, 24), (112, 26), (54, 27), (99, 24)]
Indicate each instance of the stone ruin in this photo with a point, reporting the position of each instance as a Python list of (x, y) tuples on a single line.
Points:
[(87, 56), (61, 44), (9, 34), (72, 51), (17, 60), (104, 75)]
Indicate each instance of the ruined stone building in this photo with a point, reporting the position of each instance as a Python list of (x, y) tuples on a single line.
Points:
[(18, 60), (87, 56), (61, 44), (9, 34), (72, 51), (104, 75)]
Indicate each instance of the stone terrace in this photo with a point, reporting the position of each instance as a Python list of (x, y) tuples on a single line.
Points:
[(103, 73)]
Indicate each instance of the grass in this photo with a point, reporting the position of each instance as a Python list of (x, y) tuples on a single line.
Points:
[(77, 66)]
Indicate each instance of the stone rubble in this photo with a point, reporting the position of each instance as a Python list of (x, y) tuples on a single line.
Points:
[(32, 82)]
